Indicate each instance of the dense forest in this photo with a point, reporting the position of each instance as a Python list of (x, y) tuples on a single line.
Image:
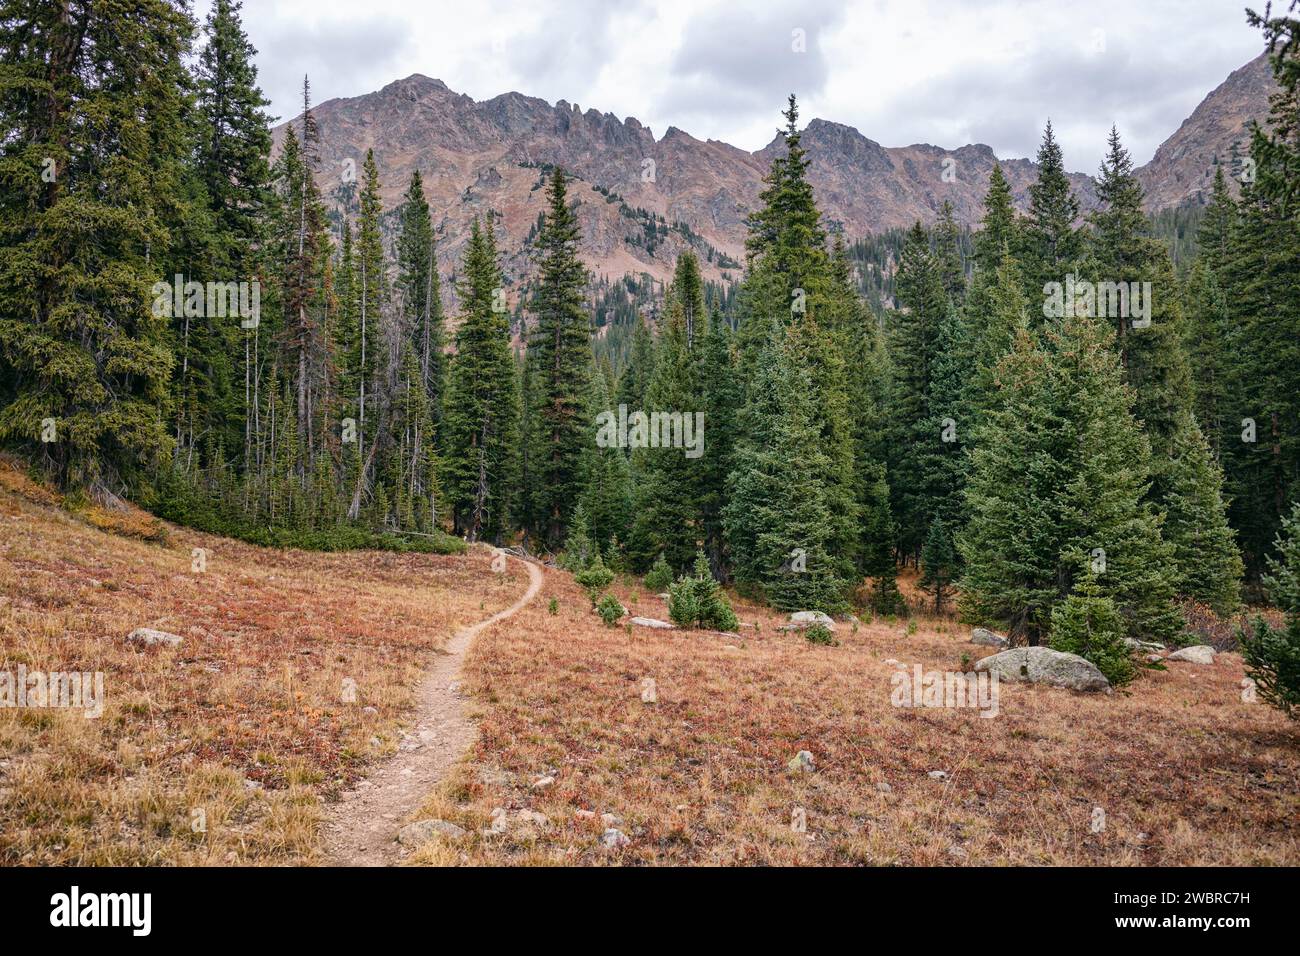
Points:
[(1046, 413)]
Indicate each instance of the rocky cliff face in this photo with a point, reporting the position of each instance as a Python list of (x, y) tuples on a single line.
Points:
[(642, 200), (1182, 170)]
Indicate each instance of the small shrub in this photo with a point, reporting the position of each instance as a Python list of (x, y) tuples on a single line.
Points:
[(553, 607), (660, 576), (1088, 624), (609, 609), (1272, 657), (698, 601), (595, 577), (820, 634)]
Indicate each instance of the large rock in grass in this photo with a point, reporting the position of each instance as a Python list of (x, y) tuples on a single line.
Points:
[(1198, 654), (149, 637), (802, 620), (982, 635), (1042, 665), (651, 622)]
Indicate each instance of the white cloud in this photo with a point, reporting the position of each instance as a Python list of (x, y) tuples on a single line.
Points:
[(900, 71)]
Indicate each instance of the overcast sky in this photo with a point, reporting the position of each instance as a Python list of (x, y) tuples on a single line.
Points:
[(947, 72)]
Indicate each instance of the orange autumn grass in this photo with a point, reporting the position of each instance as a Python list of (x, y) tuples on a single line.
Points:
[(220, 750), (1185, 771)]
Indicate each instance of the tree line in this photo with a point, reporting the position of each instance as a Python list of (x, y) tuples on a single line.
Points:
[(1134, 440)]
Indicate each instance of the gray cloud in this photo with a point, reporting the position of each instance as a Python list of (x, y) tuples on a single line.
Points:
[(564, 58), (742, 67), (1145, 90), (342, 58)]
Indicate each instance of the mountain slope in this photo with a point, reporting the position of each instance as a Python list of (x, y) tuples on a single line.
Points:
[(642, 201), (1182, 169)]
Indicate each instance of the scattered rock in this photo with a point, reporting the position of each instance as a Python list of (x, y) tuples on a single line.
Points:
[(611, 819), (802, 762), (938, 774), (422, 831), (651, 622), (884, 787), (802, 620), (1136, 645), (533, 817), (499, 821), (493, 777), (150, 637), (649, 692), (541, 783), (584, 814), (665, 595), (799, 820), (614, 839), (1198, 654), (1042, 665), (982, 635), (893, 663), (1154, 658)]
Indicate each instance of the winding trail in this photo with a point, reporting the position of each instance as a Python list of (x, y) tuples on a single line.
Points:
[(361, 829)]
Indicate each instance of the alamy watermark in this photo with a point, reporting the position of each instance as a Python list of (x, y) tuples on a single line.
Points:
[(217, 300), (1111, 300), (977, 690), (651, 430), (69, 690)]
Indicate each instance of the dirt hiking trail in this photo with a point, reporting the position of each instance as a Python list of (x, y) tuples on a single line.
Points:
[(361, 829)]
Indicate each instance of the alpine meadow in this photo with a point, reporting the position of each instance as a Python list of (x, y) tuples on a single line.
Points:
[(428, 481)]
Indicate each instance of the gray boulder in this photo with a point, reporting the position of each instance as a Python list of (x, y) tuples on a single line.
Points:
[(651, 622), (1198, 654), (149, 637), (809, 618), (982, 635), (1136, 645), (1042, 665)]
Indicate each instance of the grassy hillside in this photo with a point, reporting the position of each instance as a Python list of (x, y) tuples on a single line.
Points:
[(243, 727)]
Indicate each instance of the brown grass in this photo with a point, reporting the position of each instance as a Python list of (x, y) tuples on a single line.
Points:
[(244, 721), (1186, 772)]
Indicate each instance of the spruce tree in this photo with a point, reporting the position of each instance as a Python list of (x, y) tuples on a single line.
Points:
[(481, 417), (92, 102), (938, 564), (1050, 243), (1059, 477), (417, 270), (667, 510), (560, 344)]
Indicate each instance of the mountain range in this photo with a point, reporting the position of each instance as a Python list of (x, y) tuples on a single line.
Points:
[(643, 200)]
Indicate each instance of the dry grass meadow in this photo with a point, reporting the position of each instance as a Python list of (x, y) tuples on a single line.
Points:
[(1186, 772), (218, 751), (246, 722)]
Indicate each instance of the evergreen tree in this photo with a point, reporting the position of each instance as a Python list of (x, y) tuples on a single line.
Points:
[(1088, 624), (91, 101), (938, 563), (607, 489), (667, 509), (1050, 244), (481, 417), (561, 347), (417, 269), (634, 381), (1059, 476), (914, 344)]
